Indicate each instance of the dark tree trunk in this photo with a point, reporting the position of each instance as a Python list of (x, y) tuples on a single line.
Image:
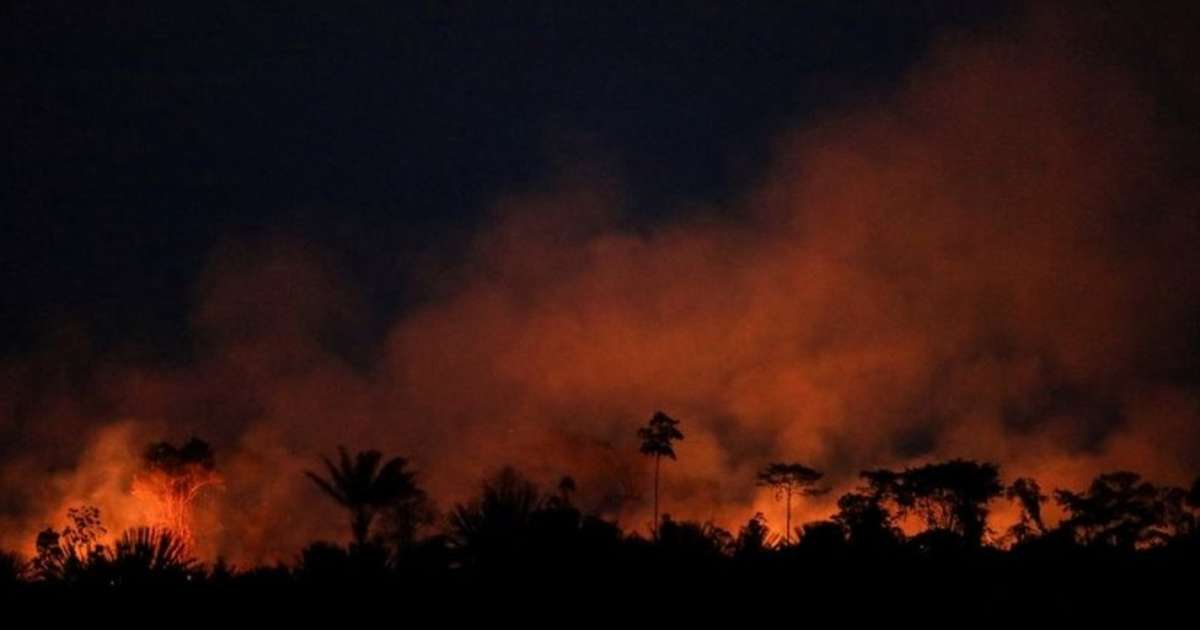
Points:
[(657, 458), (360, 525), (787, 532)]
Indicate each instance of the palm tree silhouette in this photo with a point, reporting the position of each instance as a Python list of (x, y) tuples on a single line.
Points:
[(150, 555), (496, 525), (656, 438), (365, 488)]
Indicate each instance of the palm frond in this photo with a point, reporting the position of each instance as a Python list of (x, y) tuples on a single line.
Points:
[(329, 488)]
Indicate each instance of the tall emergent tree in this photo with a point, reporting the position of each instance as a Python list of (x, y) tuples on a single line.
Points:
[(365, 488), (656, 437), (172, 478), (789, 479)]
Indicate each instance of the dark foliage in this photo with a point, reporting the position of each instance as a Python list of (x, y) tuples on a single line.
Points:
[(754, 539), (787, 480), (142, 557), (13, 569), (656, 441), (1121, 510), (867, 522), (1028, 495), (1119, 543), (951, 496), (658, 434), (173, 461), (366, 489)]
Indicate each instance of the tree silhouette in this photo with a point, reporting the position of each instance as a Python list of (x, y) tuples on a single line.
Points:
[(558, 503), (496, 523), (141, 556), (566, 486), (12, 569), (951, 495), (1028, 495), (1193, 496), (365, 488), (656, 437), (822, 537), (173, 478), (753, 539), (1174, 516), (64, 556), (1191, 501), (1118, 509), (514, 535), (150, 555), (405, 516), (867, 521), (789, 479)]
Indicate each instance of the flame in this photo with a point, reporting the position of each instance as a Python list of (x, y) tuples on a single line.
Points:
[(956, 272), (172, 496)]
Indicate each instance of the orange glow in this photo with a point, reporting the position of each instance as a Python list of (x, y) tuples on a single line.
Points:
[(173, 496), (950, 273)]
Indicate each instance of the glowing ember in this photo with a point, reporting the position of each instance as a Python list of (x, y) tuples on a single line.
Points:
[(173, 478)]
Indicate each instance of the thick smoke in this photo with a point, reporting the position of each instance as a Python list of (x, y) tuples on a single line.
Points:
[(998, 262)]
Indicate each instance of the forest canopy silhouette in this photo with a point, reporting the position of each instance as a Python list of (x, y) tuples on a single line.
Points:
[(929, 519)]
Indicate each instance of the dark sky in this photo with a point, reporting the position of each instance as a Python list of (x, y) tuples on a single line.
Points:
[(139, 136)]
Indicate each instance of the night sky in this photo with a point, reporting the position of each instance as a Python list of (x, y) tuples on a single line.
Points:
[(139, 135)]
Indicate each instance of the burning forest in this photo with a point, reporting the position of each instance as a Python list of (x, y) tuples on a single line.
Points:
[(449, 297), (172, 479)]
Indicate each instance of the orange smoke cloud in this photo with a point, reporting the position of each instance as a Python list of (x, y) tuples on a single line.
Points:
[(988, 265)]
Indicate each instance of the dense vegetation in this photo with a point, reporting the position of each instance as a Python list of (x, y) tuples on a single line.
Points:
[(1122, 539)]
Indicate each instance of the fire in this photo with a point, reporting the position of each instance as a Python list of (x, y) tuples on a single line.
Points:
[(962, 269), (172, 480)]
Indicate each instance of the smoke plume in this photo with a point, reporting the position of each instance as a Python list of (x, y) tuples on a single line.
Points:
[(996, 261)]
